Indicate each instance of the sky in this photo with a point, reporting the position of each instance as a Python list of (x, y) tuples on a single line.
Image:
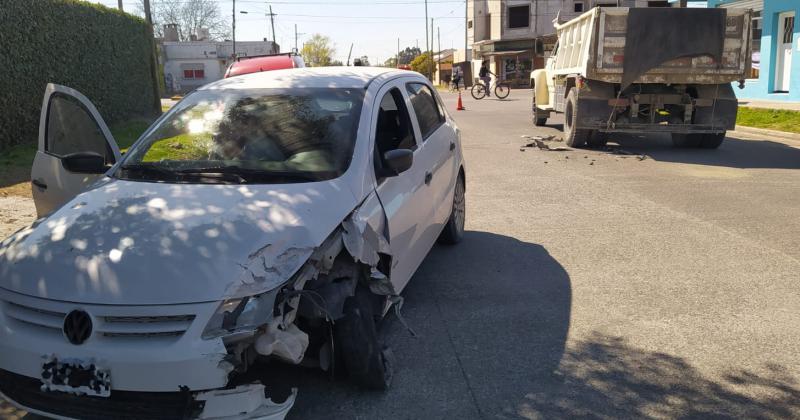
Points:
[(372, 26)]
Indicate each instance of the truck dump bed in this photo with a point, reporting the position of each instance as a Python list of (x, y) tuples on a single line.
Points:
[(593, 45)]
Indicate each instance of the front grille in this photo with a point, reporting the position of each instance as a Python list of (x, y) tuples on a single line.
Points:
[(120, 405), (110, 326)]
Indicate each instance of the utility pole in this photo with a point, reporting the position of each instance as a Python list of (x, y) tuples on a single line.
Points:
[(426, 33), (119, 3), (466, 30), (272, 20), (397, 58), (439, 65), (234, 30), (348, 54), (295, 37), (148, 18), (430, 66)]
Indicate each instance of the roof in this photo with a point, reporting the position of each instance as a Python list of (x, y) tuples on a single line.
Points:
[(311, 77)]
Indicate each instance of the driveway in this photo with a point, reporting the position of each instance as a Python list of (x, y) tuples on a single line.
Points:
[(597, 284)]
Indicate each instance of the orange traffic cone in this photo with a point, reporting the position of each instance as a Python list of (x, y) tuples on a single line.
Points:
[(460, 106)]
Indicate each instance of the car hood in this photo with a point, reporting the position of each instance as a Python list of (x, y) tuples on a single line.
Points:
[(138, 243)]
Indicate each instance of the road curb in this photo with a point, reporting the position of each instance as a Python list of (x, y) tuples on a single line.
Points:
[(765, 132)]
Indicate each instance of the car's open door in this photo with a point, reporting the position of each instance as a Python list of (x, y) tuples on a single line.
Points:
[(75, 148)]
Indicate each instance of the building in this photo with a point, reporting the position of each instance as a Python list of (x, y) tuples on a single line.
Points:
[(189, 65), (775, 74), (515, 36), (443, 65)]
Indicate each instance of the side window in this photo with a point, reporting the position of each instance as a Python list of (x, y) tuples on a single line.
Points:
[(426, 108), (393, 130), (71, 128)]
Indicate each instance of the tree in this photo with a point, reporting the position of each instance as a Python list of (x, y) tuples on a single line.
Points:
[(408, 55), (318, 51), (390, 62), (190, 15), (422, 64)]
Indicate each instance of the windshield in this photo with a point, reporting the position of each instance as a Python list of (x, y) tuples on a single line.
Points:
[(250, 136)]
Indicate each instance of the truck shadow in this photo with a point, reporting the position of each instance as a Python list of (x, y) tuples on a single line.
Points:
[(734, 152)]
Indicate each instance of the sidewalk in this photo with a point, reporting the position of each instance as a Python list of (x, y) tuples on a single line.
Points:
[(757, 103)]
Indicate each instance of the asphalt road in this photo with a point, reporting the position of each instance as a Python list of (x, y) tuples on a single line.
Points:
[(600, 285), (591, 284)]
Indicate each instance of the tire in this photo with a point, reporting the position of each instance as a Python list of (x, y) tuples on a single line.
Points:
[(454, 229), (685, 140), (573, 137), (712, 141), (501, 91), (366, 361), (478, 91), (537, 120), (597, 139)]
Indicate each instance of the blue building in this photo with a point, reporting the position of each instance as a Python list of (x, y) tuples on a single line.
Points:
[(776, 49)]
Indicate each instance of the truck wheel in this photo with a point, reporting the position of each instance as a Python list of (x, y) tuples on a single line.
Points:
[(368, 363), (712, 141), (597, 139), (573, 137), (685, 140), (538, 120)]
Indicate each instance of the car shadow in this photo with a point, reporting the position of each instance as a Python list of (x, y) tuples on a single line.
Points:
[(490, 314), (733, 153)]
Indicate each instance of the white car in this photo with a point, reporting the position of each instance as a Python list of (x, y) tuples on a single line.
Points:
[(272, 215)]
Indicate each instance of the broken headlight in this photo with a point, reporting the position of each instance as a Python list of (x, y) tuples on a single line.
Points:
[(240, 315)]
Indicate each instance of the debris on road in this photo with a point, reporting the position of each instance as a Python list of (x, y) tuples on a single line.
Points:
[(625, 153), (540, 142)]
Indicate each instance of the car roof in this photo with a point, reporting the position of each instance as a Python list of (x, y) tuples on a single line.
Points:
[(309, 77), (256, 64)]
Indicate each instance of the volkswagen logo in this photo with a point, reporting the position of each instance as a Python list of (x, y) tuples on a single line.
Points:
[(77, 326)]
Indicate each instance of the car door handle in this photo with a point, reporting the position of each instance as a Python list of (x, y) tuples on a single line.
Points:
[(428, 178), (39, 184), (452, 146)]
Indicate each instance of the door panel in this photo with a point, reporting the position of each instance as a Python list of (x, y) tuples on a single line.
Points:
[(69, 124), (404, 197), (440, 140)]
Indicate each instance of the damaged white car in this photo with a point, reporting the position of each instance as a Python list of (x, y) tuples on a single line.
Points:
[(276, 215)]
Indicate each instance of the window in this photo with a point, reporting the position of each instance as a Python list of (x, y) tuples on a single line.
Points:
[(428, 115), (469, 24), (519, 16), (393, 130), (578, 5), (659, 3), (788, 29), (276, 135), (193, 71), (756, 44), (71, 128)]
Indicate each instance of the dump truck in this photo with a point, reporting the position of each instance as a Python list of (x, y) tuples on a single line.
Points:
[(639, 70)]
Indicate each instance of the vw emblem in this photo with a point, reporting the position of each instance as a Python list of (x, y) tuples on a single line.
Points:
[(77, 326)]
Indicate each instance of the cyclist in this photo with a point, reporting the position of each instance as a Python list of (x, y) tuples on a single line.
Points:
[(485, 77), (457, 75)]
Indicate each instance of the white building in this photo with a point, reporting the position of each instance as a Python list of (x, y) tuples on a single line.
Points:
[(188, 65), (514, 35)]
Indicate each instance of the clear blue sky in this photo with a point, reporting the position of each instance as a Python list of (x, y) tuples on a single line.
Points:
[(373, 26)]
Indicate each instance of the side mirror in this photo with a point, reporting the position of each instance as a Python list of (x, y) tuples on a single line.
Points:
[(84, 163), (397, 161)]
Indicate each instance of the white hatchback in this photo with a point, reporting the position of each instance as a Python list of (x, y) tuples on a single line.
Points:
[(272, 215)]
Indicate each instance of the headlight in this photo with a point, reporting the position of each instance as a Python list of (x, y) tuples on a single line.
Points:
[(240, 315)]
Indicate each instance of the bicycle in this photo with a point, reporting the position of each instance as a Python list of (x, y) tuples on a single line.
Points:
[(501, 89)]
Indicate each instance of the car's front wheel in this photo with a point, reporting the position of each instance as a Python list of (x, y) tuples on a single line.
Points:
[(454, 229), (367, 361)]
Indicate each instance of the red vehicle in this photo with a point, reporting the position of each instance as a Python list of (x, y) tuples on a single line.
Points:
[(255, 64)]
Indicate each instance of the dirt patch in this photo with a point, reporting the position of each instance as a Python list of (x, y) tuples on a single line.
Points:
[(15, 213)]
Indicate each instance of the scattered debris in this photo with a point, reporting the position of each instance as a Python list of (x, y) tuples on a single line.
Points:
[(540, 142), (624, 153)]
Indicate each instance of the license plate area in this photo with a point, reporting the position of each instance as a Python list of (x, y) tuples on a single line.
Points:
[(74, 376)]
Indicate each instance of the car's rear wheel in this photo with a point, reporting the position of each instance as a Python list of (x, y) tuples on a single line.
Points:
[(367, 361), (454, 229)]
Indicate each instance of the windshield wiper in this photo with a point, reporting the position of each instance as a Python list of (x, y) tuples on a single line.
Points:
[(258, 174), (149, 169)]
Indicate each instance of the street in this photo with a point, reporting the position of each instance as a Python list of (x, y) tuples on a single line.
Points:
[(596, 284), (665, 287)]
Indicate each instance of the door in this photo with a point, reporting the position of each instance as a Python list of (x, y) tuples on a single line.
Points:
[(439, 138), (72, 138), (405, 197), (783, 62)]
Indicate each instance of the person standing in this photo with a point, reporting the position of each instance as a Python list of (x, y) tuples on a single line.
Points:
[(457, 76), (486, 76)]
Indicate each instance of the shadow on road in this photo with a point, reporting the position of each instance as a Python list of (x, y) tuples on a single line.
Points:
[(734, 153)]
